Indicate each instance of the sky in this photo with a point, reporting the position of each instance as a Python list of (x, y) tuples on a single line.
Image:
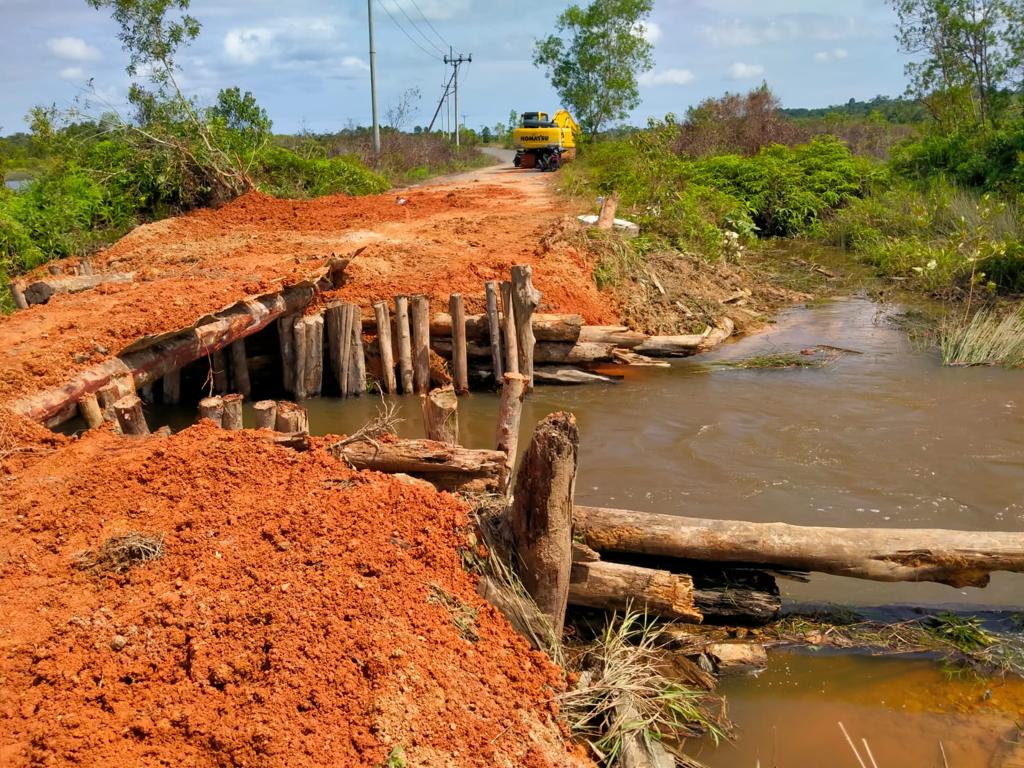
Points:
[(306, 61)]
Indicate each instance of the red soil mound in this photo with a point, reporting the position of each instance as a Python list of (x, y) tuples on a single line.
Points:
[(298, 617)]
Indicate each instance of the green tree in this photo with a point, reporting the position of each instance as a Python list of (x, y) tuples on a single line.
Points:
[(968, 53), (594, 60)]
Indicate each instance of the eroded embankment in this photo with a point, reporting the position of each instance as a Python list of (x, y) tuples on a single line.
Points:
[(293, 620)]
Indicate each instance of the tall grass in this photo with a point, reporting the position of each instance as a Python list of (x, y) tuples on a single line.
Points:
[(985, 339)]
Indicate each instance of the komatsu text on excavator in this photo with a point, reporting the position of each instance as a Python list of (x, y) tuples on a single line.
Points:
[(543, 142)]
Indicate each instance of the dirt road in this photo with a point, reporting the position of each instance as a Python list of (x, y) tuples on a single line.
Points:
[(437, 239)]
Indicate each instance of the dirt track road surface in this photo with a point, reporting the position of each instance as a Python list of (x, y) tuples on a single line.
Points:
[(435, 239)]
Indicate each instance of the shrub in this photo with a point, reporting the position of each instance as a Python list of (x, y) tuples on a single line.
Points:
[(287, 174)]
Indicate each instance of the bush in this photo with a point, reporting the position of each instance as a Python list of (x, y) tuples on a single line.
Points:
[(990, 160), (287, 174)]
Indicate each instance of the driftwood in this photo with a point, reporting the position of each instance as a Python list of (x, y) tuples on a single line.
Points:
[(265, 412), (540, 519), (404, 343), (441, 415), (508, 328), (956, 558), (212, 408), (460, 366), (40, 291), (494, 330), (510, 412), (525, 299), (232, 419), (420, 307), (239, 368), (387, 359), (128, 411), (614, 587), (291, 418), (446, 466)]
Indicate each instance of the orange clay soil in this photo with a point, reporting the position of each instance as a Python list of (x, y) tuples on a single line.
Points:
[(441, 239), (296, 619)]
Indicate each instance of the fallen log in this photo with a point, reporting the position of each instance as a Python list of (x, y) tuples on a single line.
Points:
[(672, 346), (955, 558), (544, 352), (616, 587), (618, 335), (568, 376), (546, 327), (447, 466), (40, 291)]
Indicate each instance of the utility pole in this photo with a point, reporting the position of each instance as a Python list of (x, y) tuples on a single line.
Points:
[(456, 63), (373, 81)]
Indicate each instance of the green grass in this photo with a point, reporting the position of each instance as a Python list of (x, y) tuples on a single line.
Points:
[(984, 339), (778, 360)]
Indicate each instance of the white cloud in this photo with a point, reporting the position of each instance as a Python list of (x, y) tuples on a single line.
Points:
[(836, 54), (248, 46), (290, 44), (741, 71), (734, 33), (73, 48), (72, 73), (436, 10), (354, 64), (666, 77), (649, 30)]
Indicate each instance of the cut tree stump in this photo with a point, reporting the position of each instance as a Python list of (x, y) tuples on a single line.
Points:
[(291, 418), (956, 558), (404, 344), (421, 344), (494, 330), (128, 411), (387, 359), (460, 364), (616, 587), (510, 412), (441, 415), (609, 206), (266, 414), (212, 408), (508, 328), (525, 300), (541, 515), (232, 418), (90, 409)]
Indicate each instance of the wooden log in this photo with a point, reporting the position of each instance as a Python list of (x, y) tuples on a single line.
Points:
[(956, 558), (90, 409), (309, 355), (357, 368), (618, 335), (737, 605), (266, 414), (219, 363), (172, 387), (447, 467), (128, 411), (441, 415), (420, 307), (291, 418), (606, 218), (672, 346), (615, 587), (40, 291), (494, 330), (508, 328), (460, 363), (387, 359), (545, 352), (232, 418), (546, 327), (525, 300), (239, 368), (404, 343), (568, 376), (286, 340), (212, 408), (510, 412), (541, 515), (18, 295)]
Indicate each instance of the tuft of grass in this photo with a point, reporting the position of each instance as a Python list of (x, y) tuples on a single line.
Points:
[(813, 357), (118, 554), (985, 339), (623, 695), (964, 633)]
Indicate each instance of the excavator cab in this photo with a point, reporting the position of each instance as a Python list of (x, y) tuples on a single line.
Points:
[(544, 142)]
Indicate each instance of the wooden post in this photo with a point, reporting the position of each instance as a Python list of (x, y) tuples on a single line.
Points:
[(494, 329), (18, 295), (220, 372), (90, 409), (441, 415), (421, 344), (172, 387), (357, 370), (291, 418), (404, 343), (541, 514), (387, 358), (286, 338), (510, 411), (129, 415), (212, 408), (299, 369), (240, 368), (525, 300), (85, 266), (266, 414), (460, 364), (508, 328), (232, 418), (606, 219), (339, 344), (312, 330)]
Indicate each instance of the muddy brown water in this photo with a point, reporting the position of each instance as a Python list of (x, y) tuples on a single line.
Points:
[(884, 436)]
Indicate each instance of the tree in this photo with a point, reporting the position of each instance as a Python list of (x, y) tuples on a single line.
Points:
[(399, 114), (969, 53), (594, 60)]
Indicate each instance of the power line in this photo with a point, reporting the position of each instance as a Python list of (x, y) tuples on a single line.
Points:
[(416, 26), (433, 29), (404, 32)]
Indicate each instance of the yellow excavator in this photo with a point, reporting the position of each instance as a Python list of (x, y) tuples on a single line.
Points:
[(543, 142)]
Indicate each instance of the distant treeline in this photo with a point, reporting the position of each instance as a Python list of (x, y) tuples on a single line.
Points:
[(894, 110)]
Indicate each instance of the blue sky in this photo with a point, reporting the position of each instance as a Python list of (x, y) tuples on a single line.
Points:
[(306, 60)]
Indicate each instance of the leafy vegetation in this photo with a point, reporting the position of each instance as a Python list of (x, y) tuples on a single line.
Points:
[(984, 339)]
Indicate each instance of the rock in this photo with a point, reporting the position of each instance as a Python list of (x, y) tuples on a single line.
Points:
[(738, 657), (118, 642)]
